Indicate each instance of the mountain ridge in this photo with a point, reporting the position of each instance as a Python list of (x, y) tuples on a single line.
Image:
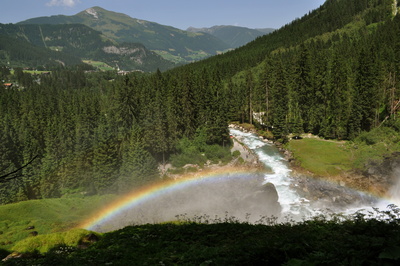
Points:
[(235, 36), (168, 41), (78, 41)]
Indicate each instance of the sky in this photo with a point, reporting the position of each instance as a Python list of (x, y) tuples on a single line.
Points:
[(176, 13)]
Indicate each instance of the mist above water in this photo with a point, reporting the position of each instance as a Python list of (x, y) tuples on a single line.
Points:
[(244, 196), (219, 197)]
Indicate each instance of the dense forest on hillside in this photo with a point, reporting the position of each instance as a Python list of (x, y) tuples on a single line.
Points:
[(50, 46), (100, 133), (95, 135)]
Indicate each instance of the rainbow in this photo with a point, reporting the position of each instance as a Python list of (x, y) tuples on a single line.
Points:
[(144, 194)]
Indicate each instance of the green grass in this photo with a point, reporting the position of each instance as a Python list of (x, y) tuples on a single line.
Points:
[(331, 158), (100, 65), (170, 57), (321, 157), (44, 243), (47, 216), (32, 72)]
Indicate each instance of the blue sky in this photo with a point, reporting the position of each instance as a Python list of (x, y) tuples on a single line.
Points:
[(177, 13)]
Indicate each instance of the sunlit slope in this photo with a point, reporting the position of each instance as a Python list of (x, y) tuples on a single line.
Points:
[(19, 220), (332, 19)]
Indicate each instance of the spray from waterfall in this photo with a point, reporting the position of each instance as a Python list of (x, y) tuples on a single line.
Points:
[(245, 195)]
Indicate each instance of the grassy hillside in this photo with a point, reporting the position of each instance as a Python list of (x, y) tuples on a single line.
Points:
[(321, 157), (45, 216)]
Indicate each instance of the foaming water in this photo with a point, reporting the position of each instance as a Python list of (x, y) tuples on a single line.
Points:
[(304, 206), (233, 192), (292, 203)]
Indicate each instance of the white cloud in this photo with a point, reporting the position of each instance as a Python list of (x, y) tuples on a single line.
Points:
[(67, 3)]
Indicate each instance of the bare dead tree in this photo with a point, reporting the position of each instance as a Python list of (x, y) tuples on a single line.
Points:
[(16, 173)]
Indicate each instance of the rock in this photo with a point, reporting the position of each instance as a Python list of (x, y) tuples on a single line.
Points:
[(186, 166), (91, 238), (30, 227), (33, 233), (384, 173), (88, 240), (266, 197), (17, 255), (14, 255), (270, 191), (328, 195)]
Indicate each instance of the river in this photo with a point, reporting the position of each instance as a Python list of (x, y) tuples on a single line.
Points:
[(229, 194), (292, 203), (304, 197)]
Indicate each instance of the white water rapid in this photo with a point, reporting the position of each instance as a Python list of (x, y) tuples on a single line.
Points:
[(304, 206), (241, 196), (292, 203)]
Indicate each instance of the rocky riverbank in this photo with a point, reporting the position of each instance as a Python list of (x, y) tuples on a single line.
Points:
[(349, 188), (379, 178)]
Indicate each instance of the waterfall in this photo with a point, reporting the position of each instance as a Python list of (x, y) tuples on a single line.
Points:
[(292, 203), (338, 199)]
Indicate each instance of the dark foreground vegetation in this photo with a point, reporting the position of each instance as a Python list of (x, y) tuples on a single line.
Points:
[(359, 240)]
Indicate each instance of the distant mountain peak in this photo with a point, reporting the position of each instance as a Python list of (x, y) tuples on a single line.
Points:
[(171, 43), (92, 12)]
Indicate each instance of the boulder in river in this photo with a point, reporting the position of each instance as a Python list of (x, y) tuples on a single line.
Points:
[(264, 200)]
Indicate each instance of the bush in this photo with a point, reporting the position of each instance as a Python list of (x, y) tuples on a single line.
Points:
[(44, 243), (196, 151), (368, 138), (180, 160), (216, 153), (236, 154)]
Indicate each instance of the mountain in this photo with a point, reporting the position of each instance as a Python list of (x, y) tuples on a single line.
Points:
[(71, 43), (232, 35), (332, 80), (172, 43), (266, 30), (17, 51)]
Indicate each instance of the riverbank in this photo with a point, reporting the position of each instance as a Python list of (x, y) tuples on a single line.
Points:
[(340, 163)]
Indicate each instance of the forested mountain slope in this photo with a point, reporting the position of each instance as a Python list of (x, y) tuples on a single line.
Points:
[(169, 41), (333, 73), (20, 53), (233, 35), (73, 41), (334, 80)]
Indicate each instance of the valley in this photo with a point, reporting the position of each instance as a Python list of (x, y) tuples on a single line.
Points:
[(117, 132)]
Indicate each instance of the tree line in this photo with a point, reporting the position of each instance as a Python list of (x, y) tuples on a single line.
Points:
[(100, 132), (103, 133)]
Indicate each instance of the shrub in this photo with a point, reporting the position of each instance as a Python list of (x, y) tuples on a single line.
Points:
[(368, 138), (44, 243), (216, 153), (236, 154)]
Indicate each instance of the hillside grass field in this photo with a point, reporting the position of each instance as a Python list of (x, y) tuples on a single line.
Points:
[(19, 220), (99, 65), (321, 157), (329, 158)]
